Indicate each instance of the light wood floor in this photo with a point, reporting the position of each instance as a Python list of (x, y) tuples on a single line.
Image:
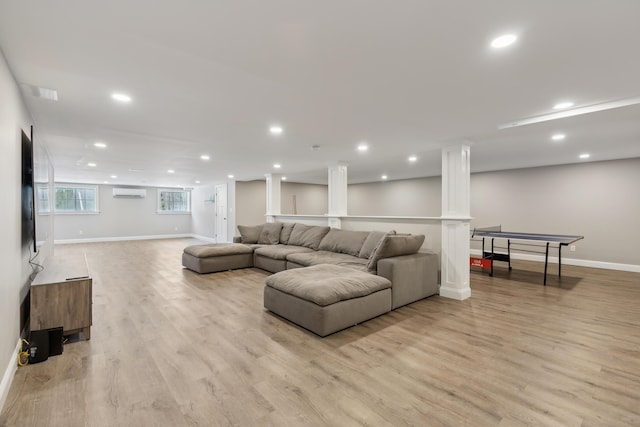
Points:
[(173, 348)]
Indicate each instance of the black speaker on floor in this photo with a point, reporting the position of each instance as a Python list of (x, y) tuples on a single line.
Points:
[(38, 346), (45, 343), (55, 341)]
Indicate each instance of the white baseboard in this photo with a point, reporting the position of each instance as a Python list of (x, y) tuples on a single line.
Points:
[(121, 239), (7, 378), (205, 238), (571, 261)]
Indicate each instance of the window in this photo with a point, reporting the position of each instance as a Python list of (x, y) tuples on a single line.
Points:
[(76, 199), (42, 198), (174, 201)]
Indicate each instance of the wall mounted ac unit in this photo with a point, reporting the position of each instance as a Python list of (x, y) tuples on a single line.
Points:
[(129, 192)]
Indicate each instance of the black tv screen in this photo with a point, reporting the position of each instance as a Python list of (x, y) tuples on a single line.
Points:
[(28, 210)]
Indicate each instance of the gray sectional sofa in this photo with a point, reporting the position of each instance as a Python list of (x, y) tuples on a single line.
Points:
[(365, 273)]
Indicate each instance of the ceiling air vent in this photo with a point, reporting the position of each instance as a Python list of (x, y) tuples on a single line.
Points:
[(40, 92), (129, 192)]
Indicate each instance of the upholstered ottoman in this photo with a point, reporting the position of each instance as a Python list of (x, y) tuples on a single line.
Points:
[(217, 257), (327, 298)]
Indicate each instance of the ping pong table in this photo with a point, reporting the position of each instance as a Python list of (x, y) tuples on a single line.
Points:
[(528, 240)]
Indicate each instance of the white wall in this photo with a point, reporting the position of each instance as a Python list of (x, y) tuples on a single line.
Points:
[(14, 265), (43, 176), (311, 199), (203, 211), (251, 203), (411, 197), (231, 210), (121, 218)]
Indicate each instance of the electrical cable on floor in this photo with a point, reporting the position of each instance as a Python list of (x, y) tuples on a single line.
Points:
[(23, 354)]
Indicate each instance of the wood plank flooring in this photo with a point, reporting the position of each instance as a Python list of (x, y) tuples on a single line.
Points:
[(173, 348)]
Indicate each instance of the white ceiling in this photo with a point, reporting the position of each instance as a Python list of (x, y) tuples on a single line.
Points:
[(407, 77)]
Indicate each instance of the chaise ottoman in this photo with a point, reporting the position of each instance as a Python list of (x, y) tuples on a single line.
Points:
[(327, 298), (217, 257)]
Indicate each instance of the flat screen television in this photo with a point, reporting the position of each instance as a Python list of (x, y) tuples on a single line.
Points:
[(28, 205)]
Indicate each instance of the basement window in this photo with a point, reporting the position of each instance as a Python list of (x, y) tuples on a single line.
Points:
[(174, 201), (73, 199)]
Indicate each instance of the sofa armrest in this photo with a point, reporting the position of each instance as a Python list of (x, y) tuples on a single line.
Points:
[(237, 239), (412, 277)]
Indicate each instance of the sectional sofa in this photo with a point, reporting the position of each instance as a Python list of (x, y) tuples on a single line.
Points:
[(326, 279)]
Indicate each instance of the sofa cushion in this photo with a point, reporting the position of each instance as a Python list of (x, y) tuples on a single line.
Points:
[(307, 259), (393, 245), (326, 284), (323, 257), (280, 251), (217, 250), (285, 234), (370, 243), (343, 241), (308, 236), (250, 233), (270, 234)]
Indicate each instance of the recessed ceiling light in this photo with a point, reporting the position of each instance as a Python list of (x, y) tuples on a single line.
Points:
[(197, 182), (563, 105), (230, 176), (91, 164), (205, 157), (585, 155), (121, 97), (503, 41), (171, 171), (275, 130), (114, 176), (384, 177), (284, 178), (277, 165), (558, 136), (363, 147), (100, 144), (106, 182), (412, 158)]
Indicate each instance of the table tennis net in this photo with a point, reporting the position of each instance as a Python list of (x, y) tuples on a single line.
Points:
[(480, 231)]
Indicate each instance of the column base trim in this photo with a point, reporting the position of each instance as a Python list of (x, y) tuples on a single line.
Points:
[(455, 293)]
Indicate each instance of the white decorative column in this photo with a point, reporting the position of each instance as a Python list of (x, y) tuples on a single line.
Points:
[(337, 194), (273, 196), (455, 223)]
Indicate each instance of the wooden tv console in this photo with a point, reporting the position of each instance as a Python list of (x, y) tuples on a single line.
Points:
[(61, 295)]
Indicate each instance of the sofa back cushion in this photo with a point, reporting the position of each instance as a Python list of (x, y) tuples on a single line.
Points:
[(371, 242), (250, 233), (308, 236), (392, 245), (285, 234), (343, 241), (270, 234)]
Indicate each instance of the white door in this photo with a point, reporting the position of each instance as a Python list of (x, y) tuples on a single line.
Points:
[(221, 213)]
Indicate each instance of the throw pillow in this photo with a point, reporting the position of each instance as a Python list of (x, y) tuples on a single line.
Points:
[(392, 246), (371, 242), (308, 236), (250, 233), (343, 241), (285, 234), (270, 234)]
